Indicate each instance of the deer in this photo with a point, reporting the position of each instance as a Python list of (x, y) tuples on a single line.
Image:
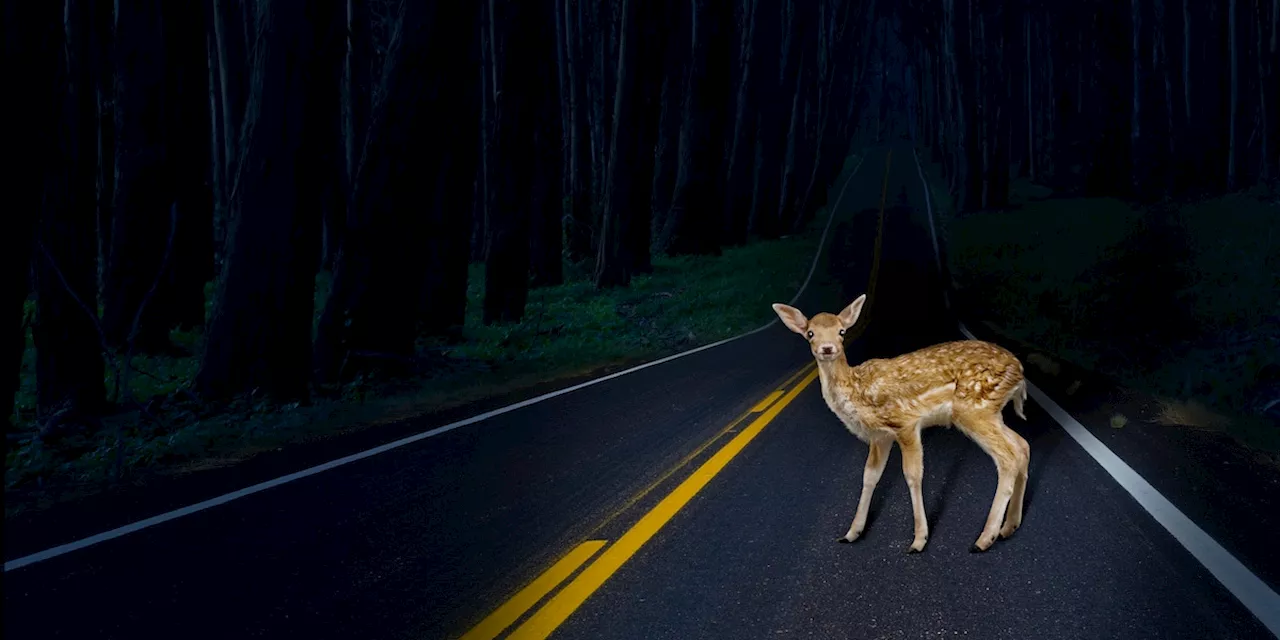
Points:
[(966, 383)]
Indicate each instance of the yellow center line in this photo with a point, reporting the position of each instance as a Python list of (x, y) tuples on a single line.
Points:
[(509, 612), (631, 502), (552, 614), (768, 400), (792, 378)]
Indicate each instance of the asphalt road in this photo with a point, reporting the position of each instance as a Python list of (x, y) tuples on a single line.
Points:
[(426, 540)]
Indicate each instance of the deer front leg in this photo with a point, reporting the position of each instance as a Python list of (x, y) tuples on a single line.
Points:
[(913, 470), (877, 458)]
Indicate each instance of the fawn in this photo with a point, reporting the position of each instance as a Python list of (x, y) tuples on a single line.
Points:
[(966, 383)]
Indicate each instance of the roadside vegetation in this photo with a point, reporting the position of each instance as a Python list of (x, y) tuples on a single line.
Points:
[(1179, 300), (568, 330)]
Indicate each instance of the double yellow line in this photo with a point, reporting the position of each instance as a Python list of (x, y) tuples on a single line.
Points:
[(556, 610), (559, 607)]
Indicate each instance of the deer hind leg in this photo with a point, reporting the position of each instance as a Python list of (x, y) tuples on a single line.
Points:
[(877, 457), (990, 433), (913, 471), (1013, 518)]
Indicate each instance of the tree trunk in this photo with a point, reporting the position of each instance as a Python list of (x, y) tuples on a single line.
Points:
[(1260, 75), (360, 73), (577, 227), (103, 61), (515, 97), (69, 365), (32, 63), (483, 188), (691, 226), (667, 151), (145, 179), (229, 33), (786, 194), (742, 138), (180, 296), (444, 300), (1186, 58), (364, 325), (259, 336), (1235, 95), (635, 123), (1031, 121), (594, 31), (217, 168), (781, 25), (546, 239), (1137, 170)]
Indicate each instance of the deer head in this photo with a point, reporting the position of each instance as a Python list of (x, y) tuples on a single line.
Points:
[(825, 331)]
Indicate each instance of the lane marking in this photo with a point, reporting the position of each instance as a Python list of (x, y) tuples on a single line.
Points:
[(795, 376), (133, 527), (1256, 596), (770, 400), (640, 495), (1259, 598), (526, 598), (766, 401), (552, 614)]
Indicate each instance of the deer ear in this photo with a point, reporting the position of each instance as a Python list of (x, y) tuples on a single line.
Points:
[(850, 314), (791, 317)]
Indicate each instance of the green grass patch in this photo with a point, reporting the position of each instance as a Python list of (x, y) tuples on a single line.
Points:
[(568, 330), (1178, 300)]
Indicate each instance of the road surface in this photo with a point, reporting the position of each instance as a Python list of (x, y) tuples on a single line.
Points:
[(700, 498)]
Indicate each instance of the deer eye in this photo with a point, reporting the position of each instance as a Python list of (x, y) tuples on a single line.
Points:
[(842, 332), (810, 335)]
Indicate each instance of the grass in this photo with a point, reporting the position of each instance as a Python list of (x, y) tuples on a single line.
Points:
[(1180, 300), (568, 330)]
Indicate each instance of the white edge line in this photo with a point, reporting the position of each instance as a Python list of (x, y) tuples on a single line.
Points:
[(61, 549), (1259, 598)]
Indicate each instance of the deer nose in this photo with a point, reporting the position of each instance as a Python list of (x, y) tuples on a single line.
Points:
[(828, 349)]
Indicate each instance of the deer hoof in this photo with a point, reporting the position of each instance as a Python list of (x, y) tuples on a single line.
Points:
[(976, 549)]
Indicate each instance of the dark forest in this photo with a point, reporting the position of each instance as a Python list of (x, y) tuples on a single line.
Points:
[(243, 226)]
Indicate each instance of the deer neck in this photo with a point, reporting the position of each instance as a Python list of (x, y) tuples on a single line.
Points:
[(830, 371)]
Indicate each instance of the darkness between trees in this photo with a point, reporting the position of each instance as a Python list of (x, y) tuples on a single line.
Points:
[(252, 144), (1144, 99)]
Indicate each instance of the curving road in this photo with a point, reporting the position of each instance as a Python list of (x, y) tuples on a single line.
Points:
[(698, 498)]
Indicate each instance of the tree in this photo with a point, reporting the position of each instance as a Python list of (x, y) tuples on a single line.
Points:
[(783, 26), (691, 225), (547, 207), (230, 46), (32, 50), (69, 365), (578, 227), (259, 333), (635, 130), (516, 64), (181, 295), (144, 178), (1233, 105), (666, 156), (366, 323), (741, 162)]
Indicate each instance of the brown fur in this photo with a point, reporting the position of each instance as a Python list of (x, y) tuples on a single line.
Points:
[(881, 401)]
